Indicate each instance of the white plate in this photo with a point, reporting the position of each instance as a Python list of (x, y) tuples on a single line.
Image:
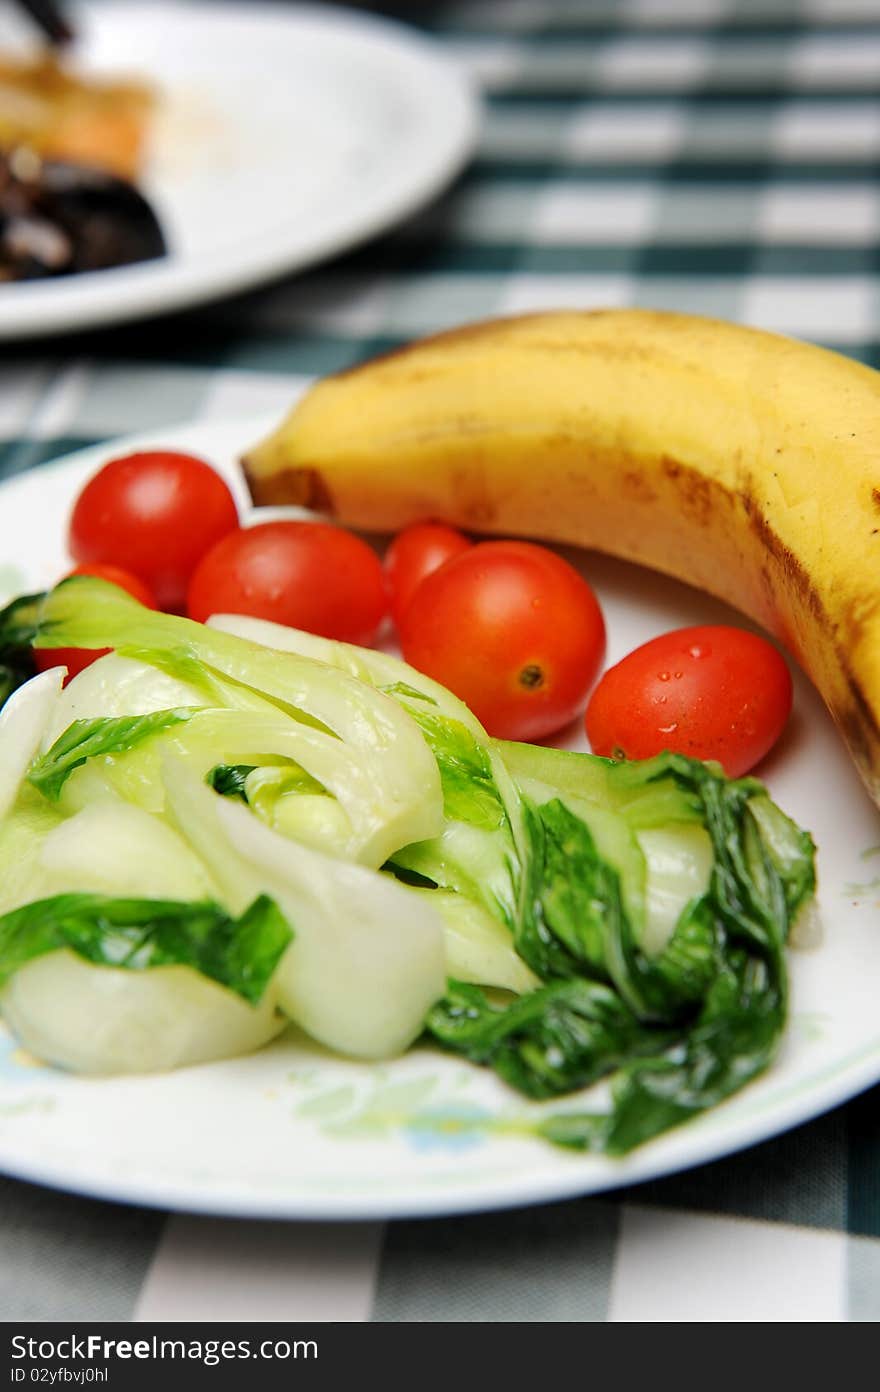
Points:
[(293, 1132), (286, 135)]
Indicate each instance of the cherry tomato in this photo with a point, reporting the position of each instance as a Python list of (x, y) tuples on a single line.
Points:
[(156, 513), (511, 629), (711, 692), (75, 659), (416, 552), (307, 575)]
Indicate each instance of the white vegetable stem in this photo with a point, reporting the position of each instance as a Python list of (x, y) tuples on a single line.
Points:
[(23, 721), (406, 801), (96, 1019), (111, 847), (367, 960), (116, 686)]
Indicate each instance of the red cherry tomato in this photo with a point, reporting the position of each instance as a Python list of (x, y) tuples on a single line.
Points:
[(307, 575), (75, 659), (156, 513), (416, 552), (511, 629), (711, 692)]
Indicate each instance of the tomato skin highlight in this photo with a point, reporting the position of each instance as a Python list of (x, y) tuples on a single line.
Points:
[(415, 553), (155, 513), (513, 630), (77, 659), (308, 575), (710, 691)]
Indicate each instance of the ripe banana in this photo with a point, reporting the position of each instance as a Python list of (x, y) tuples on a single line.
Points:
[(744, 463)]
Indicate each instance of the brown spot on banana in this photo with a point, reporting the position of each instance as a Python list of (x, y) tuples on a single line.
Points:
[(637, 486), (698, 498), (299, 487), (852, 712)]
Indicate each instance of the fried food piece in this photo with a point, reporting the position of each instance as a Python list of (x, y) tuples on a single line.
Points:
[(61, 116)]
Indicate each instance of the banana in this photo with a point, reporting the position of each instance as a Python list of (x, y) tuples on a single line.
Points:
[(741, 462)]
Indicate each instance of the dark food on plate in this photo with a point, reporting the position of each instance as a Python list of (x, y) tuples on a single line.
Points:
[(70, 150), (58, 218)]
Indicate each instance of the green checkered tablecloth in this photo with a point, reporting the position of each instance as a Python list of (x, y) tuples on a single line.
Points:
[(718, 156)]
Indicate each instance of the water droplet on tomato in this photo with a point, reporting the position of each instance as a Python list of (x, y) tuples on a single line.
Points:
[(698, 651), (669, 729), (663, 676)]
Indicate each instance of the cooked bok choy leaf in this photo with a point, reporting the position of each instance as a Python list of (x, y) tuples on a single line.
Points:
[(556, 1038), (87, 739), (382, 746), (134, 985), (556, 917), (118, 688), (697, 1019), (240, 953), (479, 948), (18, 627), (23, 833), (23, 723), (366, 963), (117, 849), (109, 1020), (476, 854), (654, 900), (229, 780)]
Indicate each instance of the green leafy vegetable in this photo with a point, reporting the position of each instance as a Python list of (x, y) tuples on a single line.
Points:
[(691, 1024), (380, 757), (732, 1040), (229, 779), (22, 833), (560, 1037), (401, 688), (470, 793), (569, 855), (239, 953), (475, 855), (573, 904), (478, 947), (576, 923), (368, 960), (595, 918), (641, 791), (86, 739), (18, 626)]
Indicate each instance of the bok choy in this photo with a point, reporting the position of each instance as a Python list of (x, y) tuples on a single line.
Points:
[(651, 902), (218, 829)]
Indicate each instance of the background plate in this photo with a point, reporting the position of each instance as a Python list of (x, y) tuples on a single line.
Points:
[(293, 1132), (286, 135)]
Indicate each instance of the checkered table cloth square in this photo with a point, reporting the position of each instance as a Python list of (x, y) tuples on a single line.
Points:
[(716, 156)]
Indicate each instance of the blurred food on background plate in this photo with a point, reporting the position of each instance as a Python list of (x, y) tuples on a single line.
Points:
[(71, 150), (61, 115)]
